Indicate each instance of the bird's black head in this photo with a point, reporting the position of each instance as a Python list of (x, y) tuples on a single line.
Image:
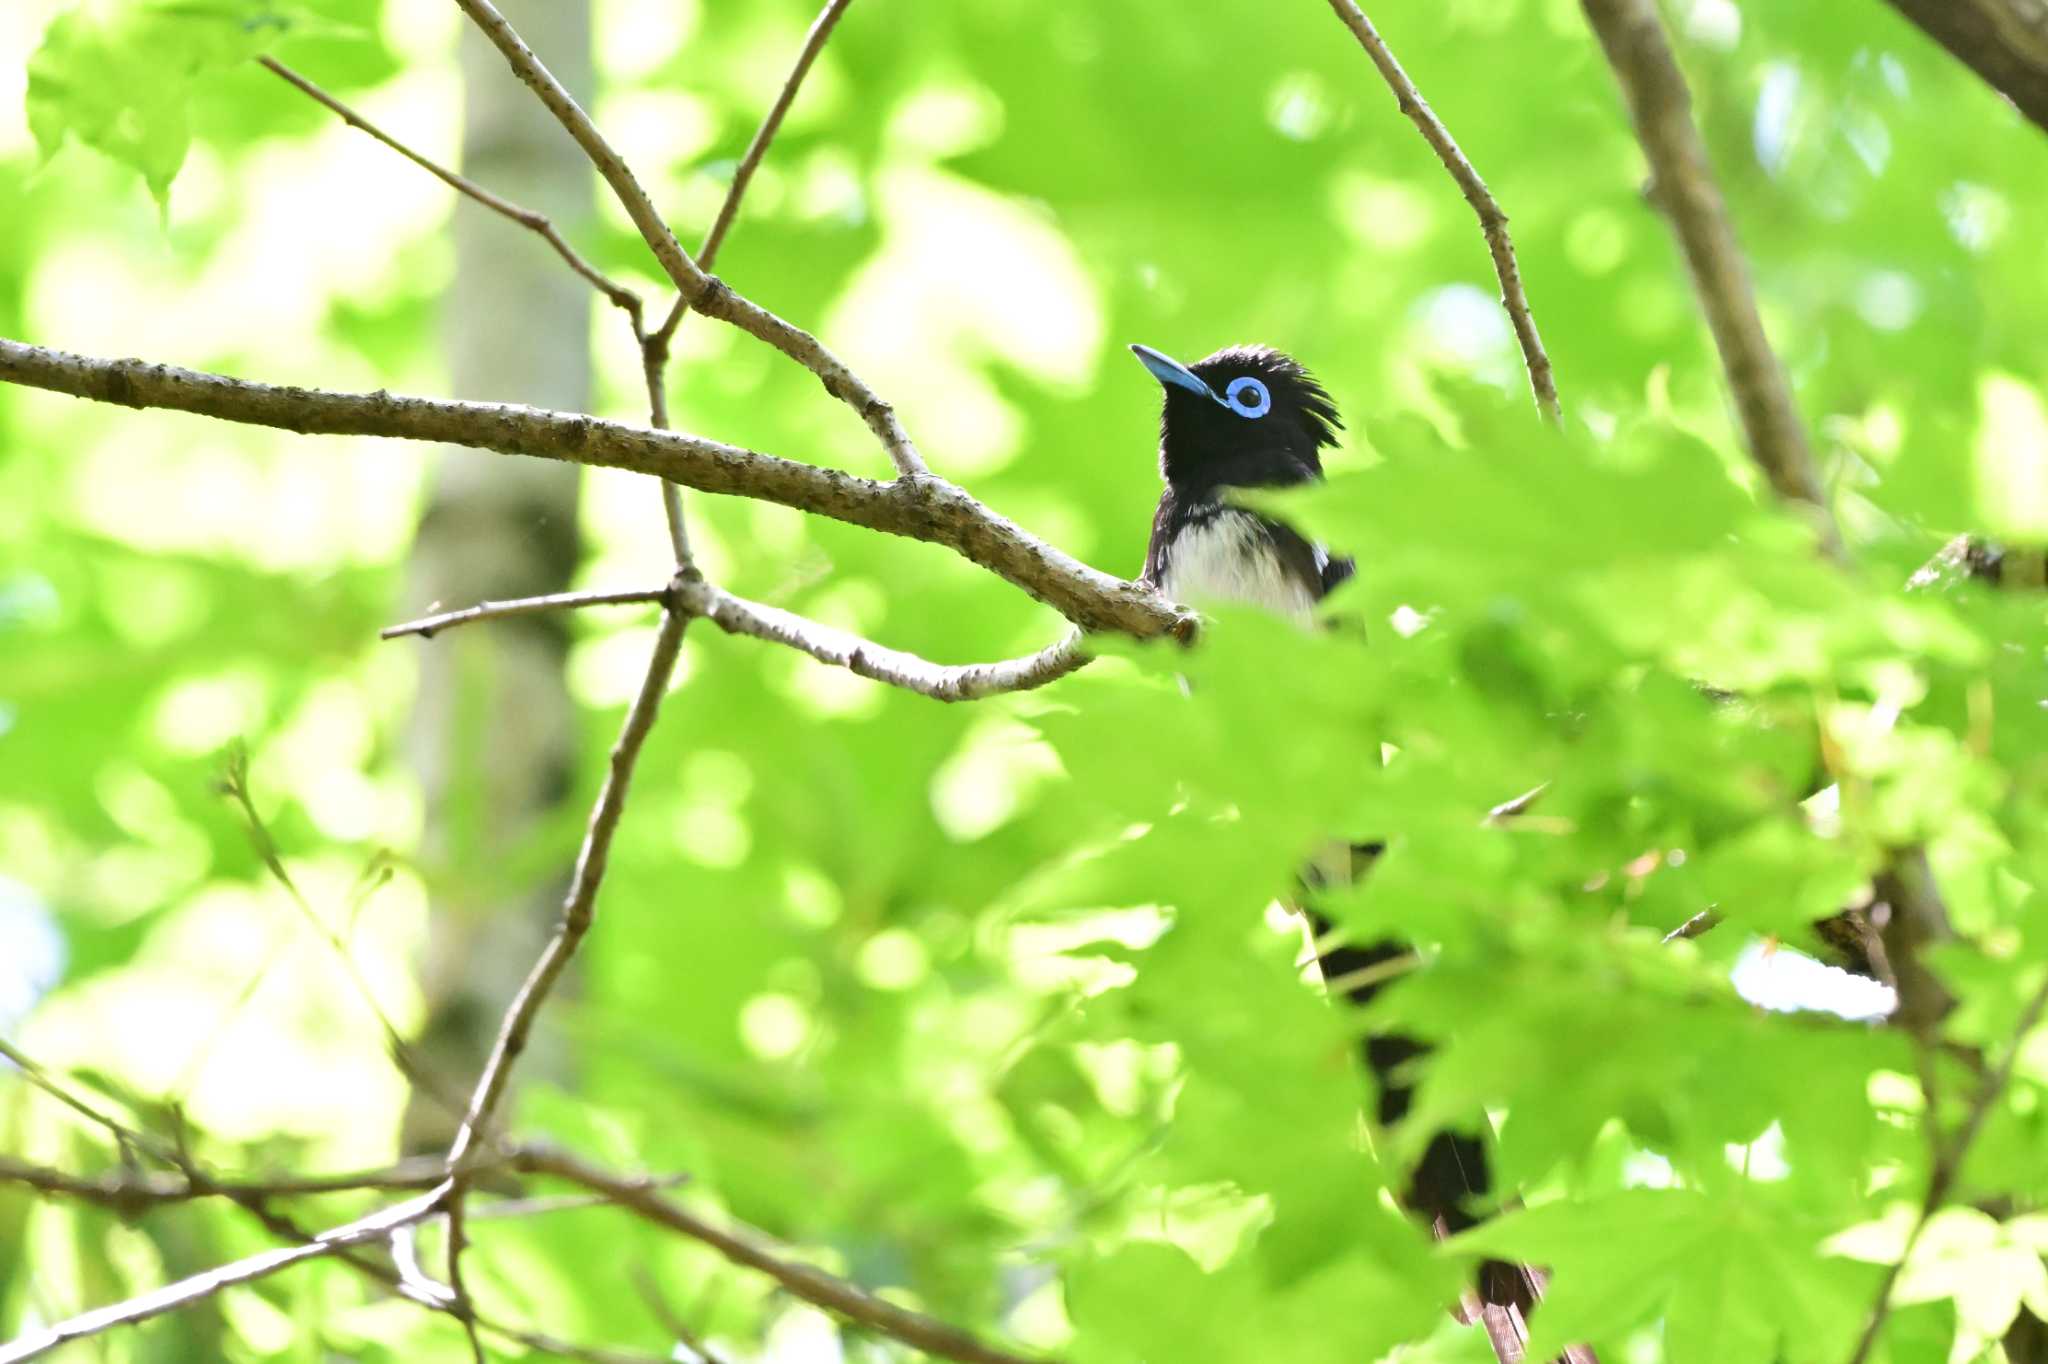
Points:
[(1246, 417)]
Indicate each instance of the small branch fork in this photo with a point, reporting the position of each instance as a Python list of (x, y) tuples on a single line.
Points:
[(705, 292), (618, 294), (1492, 221)]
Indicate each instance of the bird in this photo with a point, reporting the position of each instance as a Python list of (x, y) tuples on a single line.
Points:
[(1245, 417), (1253, 417)]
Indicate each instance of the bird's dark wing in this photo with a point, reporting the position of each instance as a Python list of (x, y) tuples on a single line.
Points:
[(1302, 560), (1336, 570), (1167, 522)]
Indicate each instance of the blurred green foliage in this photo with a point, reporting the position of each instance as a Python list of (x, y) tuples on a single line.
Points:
[(982, 1004)]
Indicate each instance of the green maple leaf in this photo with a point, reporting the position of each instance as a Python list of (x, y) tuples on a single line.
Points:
[(1734, 1276), (120, 78)]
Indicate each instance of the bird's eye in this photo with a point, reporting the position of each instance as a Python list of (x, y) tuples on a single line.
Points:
[(1248, 397)]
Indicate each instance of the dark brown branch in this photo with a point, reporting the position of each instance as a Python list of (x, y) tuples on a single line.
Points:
[(527, 218), (426, 627), (747, 1249), (706, 294), (1492, 221), (2003, 41), (929, 509), (1633, 35)]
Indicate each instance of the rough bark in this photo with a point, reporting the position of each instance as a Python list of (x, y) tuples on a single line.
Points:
[(2003, 41)]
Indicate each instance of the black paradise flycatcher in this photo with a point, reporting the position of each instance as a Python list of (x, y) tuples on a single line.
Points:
[(1252, 417)]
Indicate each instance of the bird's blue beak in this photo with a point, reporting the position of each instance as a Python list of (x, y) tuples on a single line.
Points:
[(1168, 370)]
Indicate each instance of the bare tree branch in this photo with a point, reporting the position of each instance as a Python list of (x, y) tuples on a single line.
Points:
[(928, 508), (838, 648), (654, 345), (578, 908), (941, 682), (705, 292), (184, 1292), (457, 1206), (131, 1192), (1492, 221), (1637, 48), (252, 1196), (743, 175), (128, 1139), (806, 1282), (527, 218), (2003, 41), (426, 627)]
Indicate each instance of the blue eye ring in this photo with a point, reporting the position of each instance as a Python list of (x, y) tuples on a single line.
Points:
[(1248, 397)]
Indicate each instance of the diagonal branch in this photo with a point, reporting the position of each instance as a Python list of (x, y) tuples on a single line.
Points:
[(928, 509), (802, 1281), (2004, 41), (654, 345), (1492, 221), (579, 907), (1633, 35), (757, 150), (533, 221), (705, 292), (184, 1292)]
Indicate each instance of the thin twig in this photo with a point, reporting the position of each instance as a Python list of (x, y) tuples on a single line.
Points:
[(771, 123), (1699, 925), (670, 1319), (131, 1192), (458, 1290), (706, 293), (941, 682), (654, 346), (1492, 221), (235, 785), (1946, 1170), (173, 1296), (578, 909), (426, 627), (1376, 974), (527, 218), (928, 509), (840, 649), (802, 1281), (1632, 33), (127, 1138)]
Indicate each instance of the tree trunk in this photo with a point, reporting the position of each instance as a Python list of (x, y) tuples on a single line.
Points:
[(493, 728)]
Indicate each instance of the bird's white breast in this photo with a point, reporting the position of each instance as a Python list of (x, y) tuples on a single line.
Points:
[(1230, 558)]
